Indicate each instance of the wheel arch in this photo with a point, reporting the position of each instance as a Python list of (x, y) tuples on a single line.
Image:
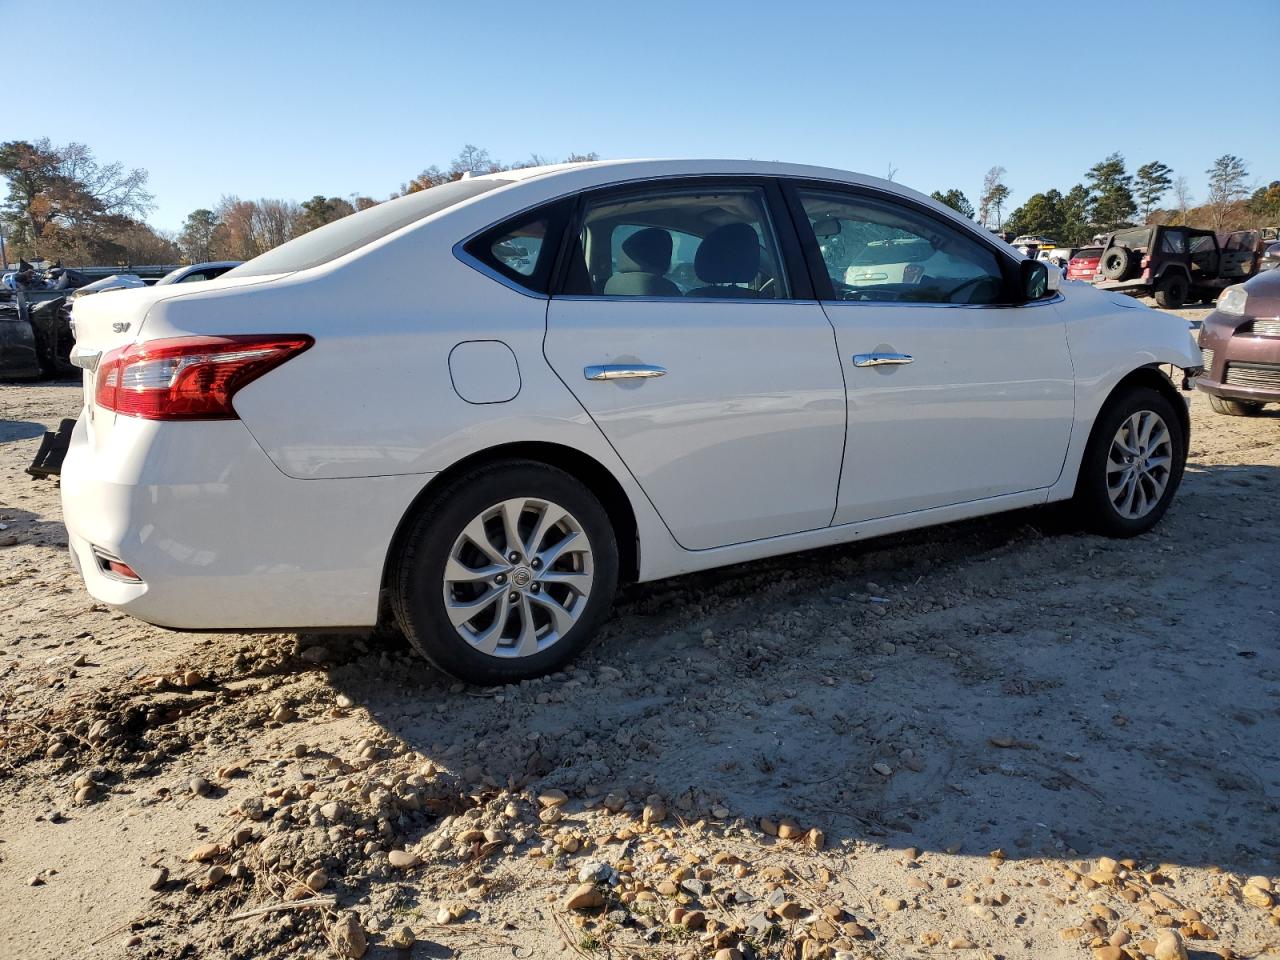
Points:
[(577, 464), (1148, 375)]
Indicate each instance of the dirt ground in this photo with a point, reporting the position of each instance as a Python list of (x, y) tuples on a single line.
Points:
[(1015, 741)]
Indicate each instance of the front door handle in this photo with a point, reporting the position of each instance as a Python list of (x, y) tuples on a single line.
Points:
[(880, 359), (623, 371)]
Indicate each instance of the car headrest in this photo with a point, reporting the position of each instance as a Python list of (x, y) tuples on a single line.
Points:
[(728, 254), (646, 251)]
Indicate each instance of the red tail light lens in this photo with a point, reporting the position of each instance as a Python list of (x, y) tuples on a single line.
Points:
[(188, 378)]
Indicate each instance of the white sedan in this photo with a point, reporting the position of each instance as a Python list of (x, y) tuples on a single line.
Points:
[(479, 407)]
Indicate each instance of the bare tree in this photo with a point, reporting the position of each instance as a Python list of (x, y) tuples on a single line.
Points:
[(994, 194), (1182, 197), (893, 172)]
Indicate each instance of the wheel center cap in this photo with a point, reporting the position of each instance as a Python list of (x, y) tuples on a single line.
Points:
[(521, 576)]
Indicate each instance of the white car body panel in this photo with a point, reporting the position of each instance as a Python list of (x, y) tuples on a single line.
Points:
[(715, 440), (285, 518), (984, 409)]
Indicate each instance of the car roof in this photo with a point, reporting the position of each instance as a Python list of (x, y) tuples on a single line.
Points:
[(690, 166), (592, 173)]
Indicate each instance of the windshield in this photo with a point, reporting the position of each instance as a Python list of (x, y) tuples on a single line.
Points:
[(335, 239)]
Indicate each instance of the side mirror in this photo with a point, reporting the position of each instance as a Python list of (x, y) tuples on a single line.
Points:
[(1039, 280)]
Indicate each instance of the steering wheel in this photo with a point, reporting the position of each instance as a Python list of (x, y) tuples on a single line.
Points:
[(968, 283)]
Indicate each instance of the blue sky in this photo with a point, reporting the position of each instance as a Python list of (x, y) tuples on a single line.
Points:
[(288, 99)]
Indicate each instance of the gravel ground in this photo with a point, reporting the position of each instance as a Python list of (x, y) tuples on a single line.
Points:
[(994, 739)]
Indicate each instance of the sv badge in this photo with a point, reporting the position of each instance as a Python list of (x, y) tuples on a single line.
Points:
[(119, 327)]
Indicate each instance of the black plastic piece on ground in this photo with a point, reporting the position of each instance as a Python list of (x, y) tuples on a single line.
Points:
[(53, 450)]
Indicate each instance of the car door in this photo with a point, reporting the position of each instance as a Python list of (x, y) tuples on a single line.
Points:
[(956, 392), (686, 328)]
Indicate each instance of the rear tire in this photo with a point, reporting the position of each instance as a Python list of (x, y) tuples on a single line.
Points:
[(1235, 408), (507, 574), (1171, 291), (1132, 466)]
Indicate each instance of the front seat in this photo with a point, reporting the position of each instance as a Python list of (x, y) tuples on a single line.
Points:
[(727, 255), (642, 262)]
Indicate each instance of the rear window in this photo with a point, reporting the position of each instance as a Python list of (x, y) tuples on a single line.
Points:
[(1133, 239), (1088, 252), (336, 239)]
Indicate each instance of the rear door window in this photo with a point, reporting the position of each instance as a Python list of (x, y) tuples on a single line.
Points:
[(713, 242)]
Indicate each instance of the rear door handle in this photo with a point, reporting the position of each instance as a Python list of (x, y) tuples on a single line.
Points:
[(623, 371), (880, 359)]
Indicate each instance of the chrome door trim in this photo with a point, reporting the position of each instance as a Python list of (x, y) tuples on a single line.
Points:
[(623, 371), (881, 359)]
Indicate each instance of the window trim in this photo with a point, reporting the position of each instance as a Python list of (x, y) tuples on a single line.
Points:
[(471, 250), (790, 257), (821, 279)]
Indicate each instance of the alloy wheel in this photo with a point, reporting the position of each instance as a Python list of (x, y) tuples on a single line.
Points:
[(518, 577), (1139, 464)]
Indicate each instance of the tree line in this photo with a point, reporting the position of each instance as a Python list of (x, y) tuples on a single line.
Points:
[(63, 204), (1110, 198)]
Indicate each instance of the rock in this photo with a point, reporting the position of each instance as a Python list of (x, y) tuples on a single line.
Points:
[(158, 878), (215, 875), (613, 803), (332, 811), (1108, 952), (694, 920), (344, 701), (962, 943), (892, 904), (347, 936), (592, 871), (584, 897), (982, 911), (317, 880), (768, 827), (403, 859), (817, 839), (655, 811), (444, 917), (728, 953), (402, 938), (1256, 895), (1261, 883), (199, 786), (192, 678), (789, 830), (552, 797), (85, 794), (1169, 946), (242, 836), (36, 881), (495, 836), (205, 852), (695, 888), (284, 713), (882, 768)]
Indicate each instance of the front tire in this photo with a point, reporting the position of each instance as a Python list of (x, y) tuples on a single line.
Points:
[(507, 574), (1133, 464), (1235, 408)]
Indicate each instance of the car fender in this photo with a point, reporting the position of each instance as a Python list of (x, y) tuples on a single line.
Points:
[(1110, 336)]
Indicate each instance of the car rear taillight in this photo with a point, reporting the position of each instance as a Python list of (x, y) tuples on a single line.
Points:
[(188, 378)]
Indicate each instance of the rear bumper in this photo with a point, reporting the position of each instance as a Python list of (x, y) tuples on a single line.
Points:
[(1123, 286), (219, 537)]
